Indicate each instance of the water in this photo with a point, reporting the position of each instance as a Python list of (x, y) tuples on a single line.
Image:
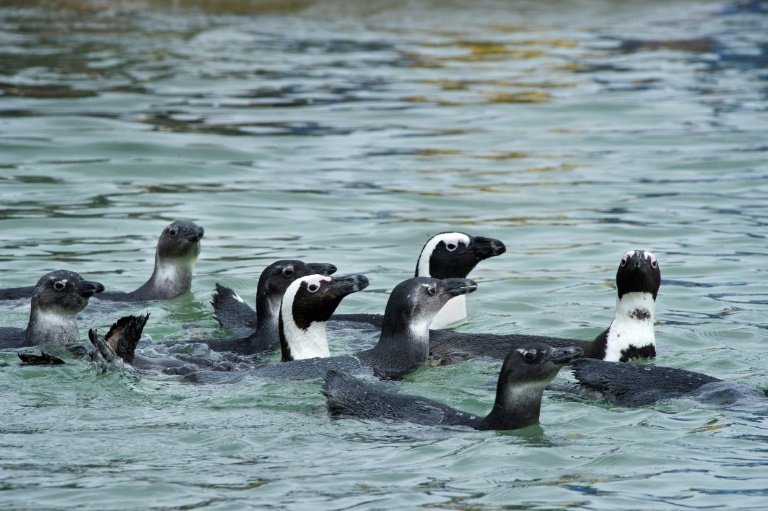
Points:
[(350, 133)]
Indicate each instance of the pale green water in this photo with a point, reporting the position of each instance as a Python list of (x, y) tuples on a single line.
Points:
[(572, 131)]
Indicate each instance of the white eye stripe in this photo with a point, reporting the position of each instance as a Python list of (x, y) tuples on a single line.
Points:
[(448, 238), (650, 257)]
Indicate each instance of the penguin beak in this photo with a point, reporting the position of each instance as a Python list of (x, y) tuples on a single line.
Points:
[(87, 288), (347, 284), (456, 287), (195, 234), (561, 356), (320, 269), (487, 247)]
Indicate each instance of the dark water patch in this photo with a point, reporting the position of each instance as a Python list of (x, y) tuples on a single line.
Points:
[(44, 91)]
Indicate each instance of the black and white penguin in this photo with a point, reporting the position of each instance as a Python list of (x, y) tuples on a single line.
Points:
[(632, 385), (307, 305), (237, 317), (58, 297), (273, 282), (445, 255), (525, 373), (175, 256), (402, 347), (630, 335)]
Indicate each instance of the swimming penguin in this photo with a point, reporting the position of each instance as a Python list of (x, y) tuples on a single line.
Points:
[(175, 256), (640, 385), (630, 335), (307, 304), (445, 255), (237, 317), (58, 297), (273, 282), (525, 373), (402, 347)]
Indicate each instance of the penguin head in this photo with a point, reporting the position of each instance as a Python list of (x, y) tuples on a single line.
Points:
[(63, 292), (638, 272), (455, 254), (180, 241)]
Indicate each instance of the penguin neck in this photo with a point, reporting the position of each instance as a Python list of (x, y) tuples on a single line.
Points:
[(46, 327), (170, 278), (516, 406), (452, 312), (267, 332), (403, 345), (299, 343), (631, 332)]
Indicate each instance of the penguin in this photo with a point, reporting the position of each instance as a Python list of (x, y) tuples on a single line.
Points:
[(444, 255), (630, 335), (525, 373), (403, 345), (307, 304), (273, 282), (177, 250), (631, 385), (58, 297)]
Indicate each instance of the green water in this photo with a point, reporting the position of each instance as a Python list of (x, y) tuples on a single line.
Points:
[(349, 133)]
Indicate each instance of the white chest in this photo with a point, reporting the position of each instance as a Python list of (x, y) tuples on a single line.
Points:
[(632, 326), (453, 311)]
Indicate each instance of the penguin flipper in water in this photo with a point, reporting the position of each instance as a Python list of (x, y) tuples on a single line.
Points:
[(43, 359), (233, 314), (117, 348)]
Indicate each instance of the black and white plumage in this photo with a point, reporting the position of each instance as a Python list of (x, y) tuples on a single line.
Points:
[(445, 255), (632, 385), (630, 335), (525, 373), (177, 250), (238, 318), (402, 347), (273, 282), (58, 297), (307, 305)]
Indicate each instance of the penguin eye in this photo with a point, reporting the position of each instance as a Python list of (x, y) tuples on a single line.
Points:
[(313, 288), (59, 285), (288, 271), (172, 231), (451, 247), (652, 259), (431, 290), (530, 356)]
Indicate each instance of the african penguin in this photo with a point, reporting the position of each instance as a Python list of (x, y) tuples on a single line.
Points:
[(525, 373)]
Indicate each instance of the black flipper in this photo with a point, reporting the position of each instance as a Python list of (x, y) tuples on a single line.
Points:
[(233, 314), (43, 359)]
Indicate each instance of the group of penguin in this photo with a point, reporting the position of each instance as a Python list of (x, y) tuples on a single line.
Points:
[(295, 305)]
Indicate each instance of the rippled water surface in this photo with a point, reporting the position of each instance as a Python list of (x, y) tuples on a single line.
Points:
[(350, 133)]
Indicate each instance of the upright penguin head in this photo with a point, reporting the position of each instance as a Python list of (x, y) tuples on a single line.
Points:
[(536, 364), (455, 254), (638, 272), (180, 241), (63, 292), (307, 304), (415, 302)]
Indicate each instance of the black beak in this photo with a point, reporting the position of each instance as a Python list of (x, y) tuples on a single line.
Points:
[(348, 284), (195, 234), (487, 247), (561, 356), (320, 269), (87, 289), (456, 287)]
